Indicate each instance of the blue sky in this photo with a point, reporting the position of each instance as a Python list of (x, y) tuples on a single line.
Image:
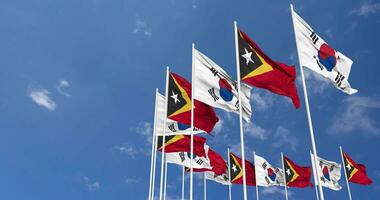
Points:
[(78, 78)]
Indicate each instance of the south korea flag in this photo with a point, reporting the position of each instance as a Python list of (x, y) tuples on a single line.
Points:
[(213, 86), (268, 175), (315, 54), (329, 173), (183, 158)]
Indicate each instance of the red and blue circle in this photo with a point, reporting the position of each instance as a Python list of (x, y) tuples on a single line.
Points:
[(182, 127), (326, 173), (271, 174), (326, 56), (225, 90)]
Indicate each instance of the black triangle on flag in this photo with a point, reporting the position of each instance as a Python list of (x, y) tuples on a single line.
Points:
[(176, 100)]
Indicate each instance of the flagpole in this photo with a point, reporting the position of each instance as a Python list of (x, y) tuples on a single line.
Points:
[(163, 134), (166, 175), (229, 174), (314, 176), (257, 187), (240, 112), (283, 168), (154, 166), (314, 148), (192, 121), (345, 173), (204, 186), (183, 183), (151, 185)]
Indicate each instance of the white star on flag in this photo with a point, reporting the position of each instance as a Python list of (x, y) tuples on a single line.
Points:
[(175, 97), (288, 172), (247, 56), (234, 168), (348, 167)]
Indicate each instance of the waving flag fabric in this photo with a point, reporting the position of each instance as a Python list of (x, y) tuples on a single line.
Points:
[(217, 163), (179, 105), (259, 70), (181, 143), (217, 89), (296, 176), (236, 171), (183, 158), (356, 173), (329, 173), (266, 174), (317, 55), (222, 179), (172, 127)]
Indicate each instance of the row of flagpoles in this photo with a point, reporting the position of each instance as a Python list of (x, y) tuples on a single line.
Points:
[(187, 109)]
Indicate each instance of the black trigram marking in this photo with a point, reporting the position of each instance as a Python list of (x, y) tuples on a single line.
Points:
[(199, 162), (214, 71), (237, 105), (211, 91), (172, 128), (319, 64), (314, 37), (182, 156), (264, 165), (267, 180), (339, 79)]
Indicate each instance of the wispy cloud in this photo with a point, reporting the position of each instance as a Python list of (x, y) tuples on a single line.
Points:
[(283, 137), (127, 149), (218, 127), (91, 185), (142, 27), (316, 83), (274, 191), (62, 85), (146, 130), (256, 131), (355, 115), (366, 8), (42, 98), (262, 100), (130, 180)]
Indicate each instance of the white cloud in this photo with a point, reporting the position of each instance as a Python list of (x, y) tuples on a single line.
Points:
[(127, 149), (130, 180), (218, 127), (355, 115), (146, 130), (91, 185), (283, 137), (262, 100), (142, 27), (62, 84), (41, 97), (366, 8), (194, 4), (256, 131), (329, 33)]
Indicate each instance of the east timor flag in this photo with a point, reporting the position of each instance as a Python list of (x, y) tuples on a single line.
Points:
[(179, 105), (356, 173), (236, 171), (259, 70), (296, 176), (181, 143)]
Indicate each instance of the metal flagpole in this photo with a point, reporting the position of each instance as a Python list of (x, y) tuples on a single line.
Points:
[(163, 137), (166, 176), (152, 153), (345, 173), (283, 168), (154, 166), (314, 176), (192, 121), (183, 183), (204, 186), (229, 174), (257, 187), (240, 112), (314, 148)]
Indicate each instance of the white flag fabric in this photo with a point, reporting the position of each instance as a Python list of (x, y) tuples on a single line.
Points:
[(217, 89), (266, 174), (172, 127), (183, 158), (317, 55), (222, 179), (329, 173)]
